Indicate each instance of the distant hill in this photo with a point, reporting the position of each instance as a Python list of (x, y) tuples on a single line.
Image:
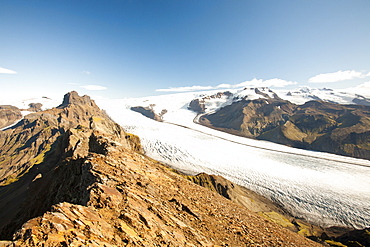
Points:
[(9, 115), (315, 125)]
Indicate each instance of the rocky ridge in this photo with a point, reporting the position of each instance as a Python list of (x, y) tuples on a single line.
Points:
[(9, 115), (149, 112), (77, 179), (315, 125)]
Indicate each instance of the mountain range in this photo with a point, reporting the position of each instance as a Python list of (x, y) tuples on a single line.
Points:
[(315, 125), (71, 176), (314, 119)]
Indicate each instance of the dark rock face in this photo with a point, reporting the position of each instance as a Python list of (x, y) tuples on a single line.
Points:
[(35, 107), (74, 98), (148, 112), (274, 96), (361, 100), (9, 115), (315, 125), (198, 105), (356, 238)]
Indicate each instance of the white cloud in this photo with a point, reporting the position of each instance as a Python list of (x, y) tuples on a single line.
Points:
[(337, 76), (94, 87), (364, 85), (184, 89), (86, 72), (275, 82), (7, 71), (253, 83), (362, 89), (224, 86)]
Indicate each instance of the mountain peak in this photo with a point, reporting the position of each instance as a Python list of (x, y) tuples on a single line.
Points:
[(73, 98)]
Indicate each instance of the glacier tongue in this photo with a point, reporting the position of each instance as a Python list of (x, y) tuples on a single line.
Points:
[(325, 189)]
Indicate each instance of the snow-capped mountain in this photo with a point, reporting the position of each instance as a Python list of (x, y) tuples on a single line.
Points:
[(211, 101), (304, 94)]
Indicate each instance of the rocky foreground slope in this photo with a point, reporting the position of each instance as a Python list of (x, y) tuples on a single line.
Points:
[(70, 176)]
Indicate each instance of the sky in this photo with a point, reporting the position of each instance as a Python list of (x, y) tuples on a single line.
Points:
[(133, 48)]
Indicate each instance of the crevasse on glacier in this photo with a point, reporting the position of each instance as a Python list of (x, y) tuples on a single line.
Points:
[(324, 189)]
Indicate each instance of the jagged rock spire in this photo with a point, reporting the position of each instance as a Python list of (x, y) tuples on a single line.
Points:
[(73, 98)]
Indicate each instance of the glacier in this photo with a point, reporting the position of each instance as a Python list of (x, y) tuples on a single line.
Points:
[(322, 188)]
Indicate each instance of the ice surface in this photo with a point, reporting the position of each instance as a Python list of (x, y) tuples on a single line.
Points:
[(304, 94), (23, 103), (323, 188)]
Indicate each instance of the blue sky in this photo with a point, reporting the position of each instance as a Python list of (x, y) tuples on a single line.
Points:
[(119, 48)]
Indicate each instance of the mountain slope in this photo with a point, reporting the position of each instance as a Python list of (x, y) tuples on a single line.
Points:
[(315, 125), (37, 146), (9, 115), (79, 179)]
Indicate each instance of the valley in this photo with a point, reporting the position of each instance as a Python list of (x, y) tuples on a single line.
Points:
[(324, 189)]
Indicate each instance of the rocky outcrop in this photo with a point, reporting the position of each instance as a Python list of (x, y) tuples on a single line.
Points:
[(9, 115), (199, 105), (262, 90), (73, 98), (149, 112), (238, 194), (360, 100), (274, 212), (35, 107), (356, 238), (88, 184), (315, 125)]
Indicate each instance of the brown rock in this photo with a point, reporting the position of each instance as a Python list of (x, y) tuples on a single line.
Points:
[(148, 112), (9, 115), (35, 107), (315, 125)]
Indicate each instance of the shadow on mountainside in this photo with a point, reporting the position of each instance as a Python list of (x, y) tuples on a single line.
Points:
[(53, 181)]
